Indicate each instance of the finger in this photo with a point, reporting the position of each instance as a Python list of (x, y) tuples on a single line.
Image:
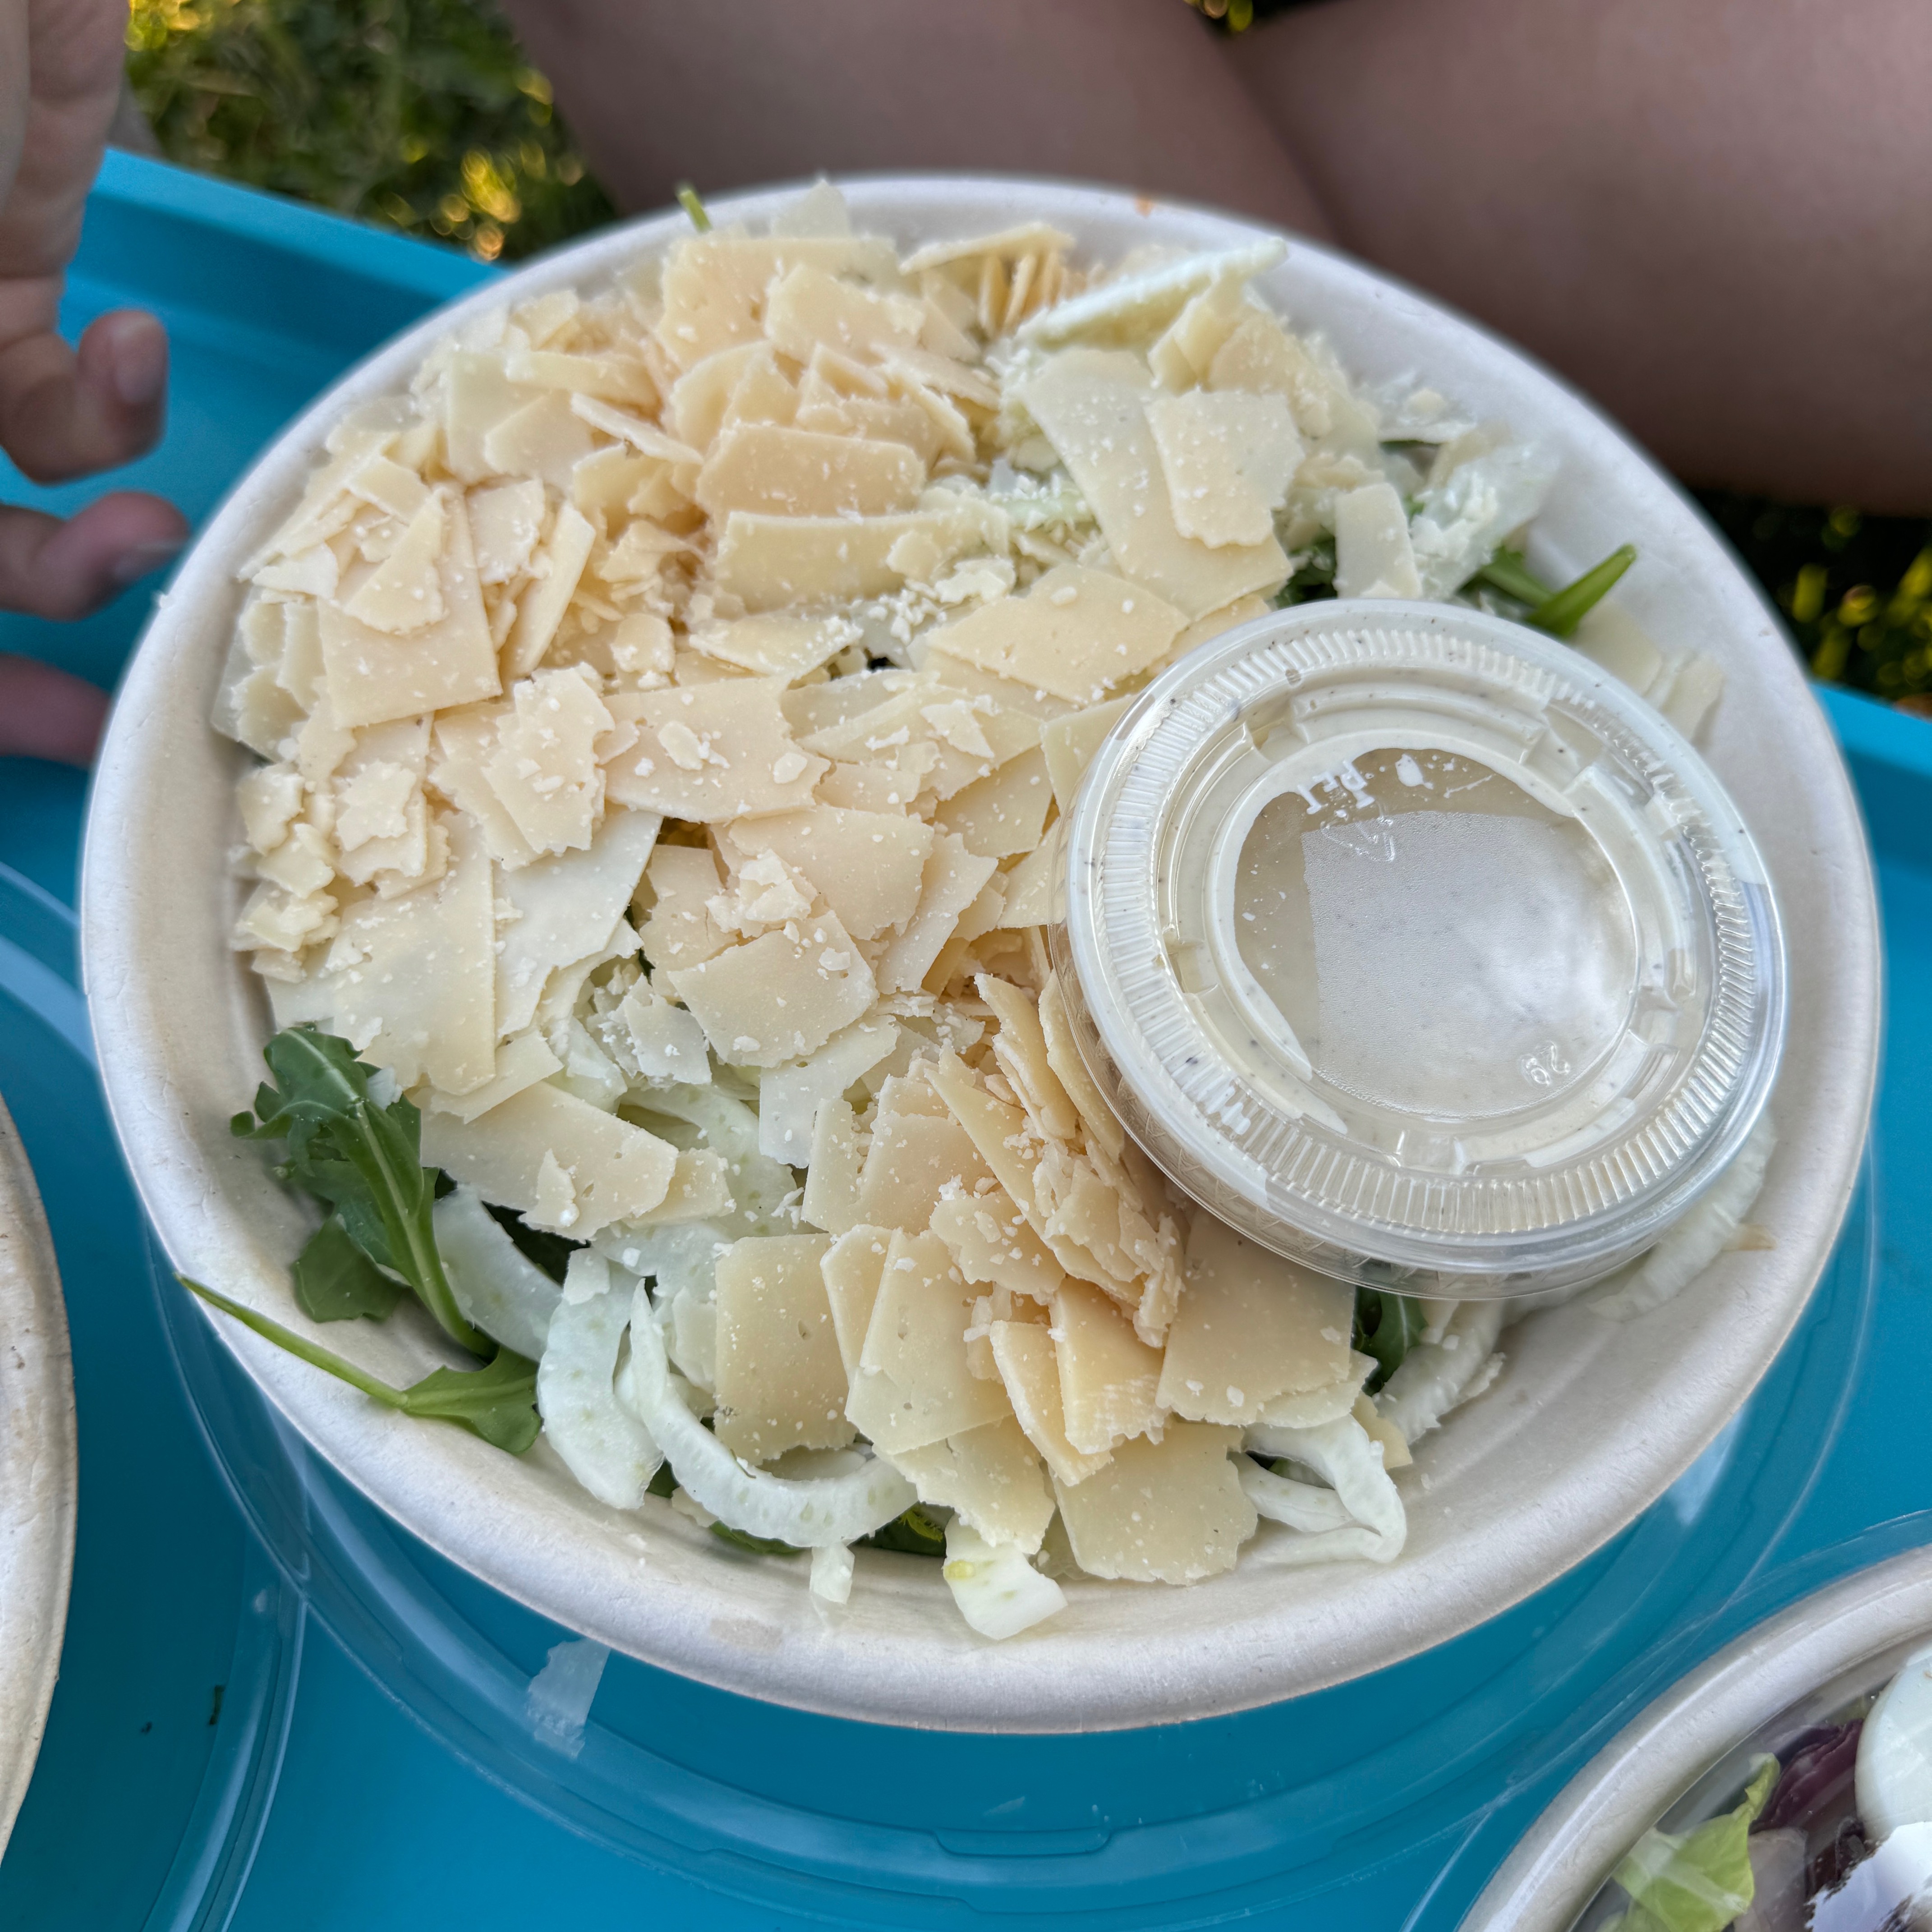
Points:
[(50, 569), (44, 713), (67, 412)]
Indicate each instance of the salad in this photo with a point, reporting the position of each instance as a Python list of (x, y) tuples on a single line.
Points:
[(1831, 1832), (664, 711)]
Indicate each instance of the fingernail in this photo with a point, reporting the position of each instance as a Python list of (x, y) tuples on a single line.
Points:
[(131, 565), (140, 364)]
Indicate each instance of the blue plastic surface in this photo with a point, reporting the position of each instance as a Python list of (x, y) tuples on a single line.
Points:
[(369, 1762)]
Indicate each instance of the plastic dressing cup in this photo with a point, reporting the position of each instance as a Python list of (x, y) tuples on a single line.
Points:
[(1419, 950)]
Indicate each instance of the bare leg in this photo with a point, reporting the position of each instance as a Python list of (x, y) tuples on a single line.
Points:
[(736, 92), (1715, 217)]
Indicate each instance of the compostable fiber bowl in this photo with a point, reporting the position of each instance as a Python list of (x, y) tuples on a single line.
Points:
[(1591, 1422), (39, 1471)]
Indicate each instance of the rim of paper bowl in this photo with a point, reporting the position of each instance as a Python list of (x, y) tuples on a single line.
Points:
[(1564, 1859), (39, 1472), (180, 1029)]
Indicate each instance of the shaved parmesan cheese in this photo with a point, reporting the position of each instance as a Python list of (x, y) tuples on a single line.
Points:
[(700, 396), (544, 438), (1070, 742), (1131, 307), (715, 286), (778, 998), (520, 1063), (768, 563), (990, 1477), (952, 879), (1029, 1368), (772, 646), (1383, 1433), (678, 931), (779, 472), (831, 1200), (1000, 816), (914, 1386), (1228, 457), (565, 909), (541, 608), (851, 1270), (505, 523), (404, 592), (610, 1168), (809, 1515), (809, 307), (1089, 404), (1459, 521), (789, 1096), (544, 770), (1075, 634), (911, 1158), (869, 867), (1172, 1511), (498, 1288), (667, 1042), (374, 677), (710, 752), (781, 1383), (1108, 1377), (1063, 1055), (990, 1240), (1000, 1593), (602, 1443), (1373, 555), (699, 1190), (412, 976), (269, 797), (1251, 1326)]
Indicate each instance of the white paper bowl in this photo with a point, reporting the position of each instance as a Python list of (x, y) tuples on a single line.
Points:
[(38, 1473), (1591, 1423), (1569, 1853)]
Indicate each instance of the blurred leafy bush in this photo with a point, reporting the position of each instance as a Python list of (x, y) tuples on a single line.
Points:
[(421, 115)]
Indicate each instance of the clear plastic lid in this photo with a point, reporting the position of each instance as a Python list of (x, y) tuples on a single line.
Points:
[(1822, 1819), (1419, 950)]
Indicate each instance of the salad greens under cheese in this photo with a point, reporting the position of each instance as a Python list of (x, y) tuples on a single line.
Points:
[(665, 708)]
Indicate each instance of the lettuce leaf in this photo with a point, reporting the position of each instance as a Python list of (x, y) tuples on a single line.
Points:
[(1699, 1880)]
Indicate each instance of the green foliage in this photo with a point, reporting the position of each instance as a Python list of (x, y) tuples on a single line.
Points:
[(420, 115), (1698, 1882), (362, 1158), (335, 1281), (497, 1403), (914, 1534), (1856, 590), (1387, 1327)]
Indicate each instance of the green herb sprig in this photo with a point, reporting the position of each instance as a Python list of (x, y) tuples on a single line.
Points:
[(365, 1159), (1557, 612), (1387, 1327), (497, 1403)]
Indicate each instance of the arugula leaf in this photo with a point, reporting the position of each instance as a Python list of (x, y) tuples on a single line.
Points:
[(663, 1482), (1387, 1327), (914, 1534), (687, 200), (335, 1281), (1561, 612), (497, 1403), (1700, 1881), (759, 1546), (551, 1252), (1314, 575), (363, 1158)]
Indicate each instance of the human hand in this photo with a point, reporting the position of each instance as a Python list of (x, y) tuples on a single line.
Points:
[(66, 411)]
